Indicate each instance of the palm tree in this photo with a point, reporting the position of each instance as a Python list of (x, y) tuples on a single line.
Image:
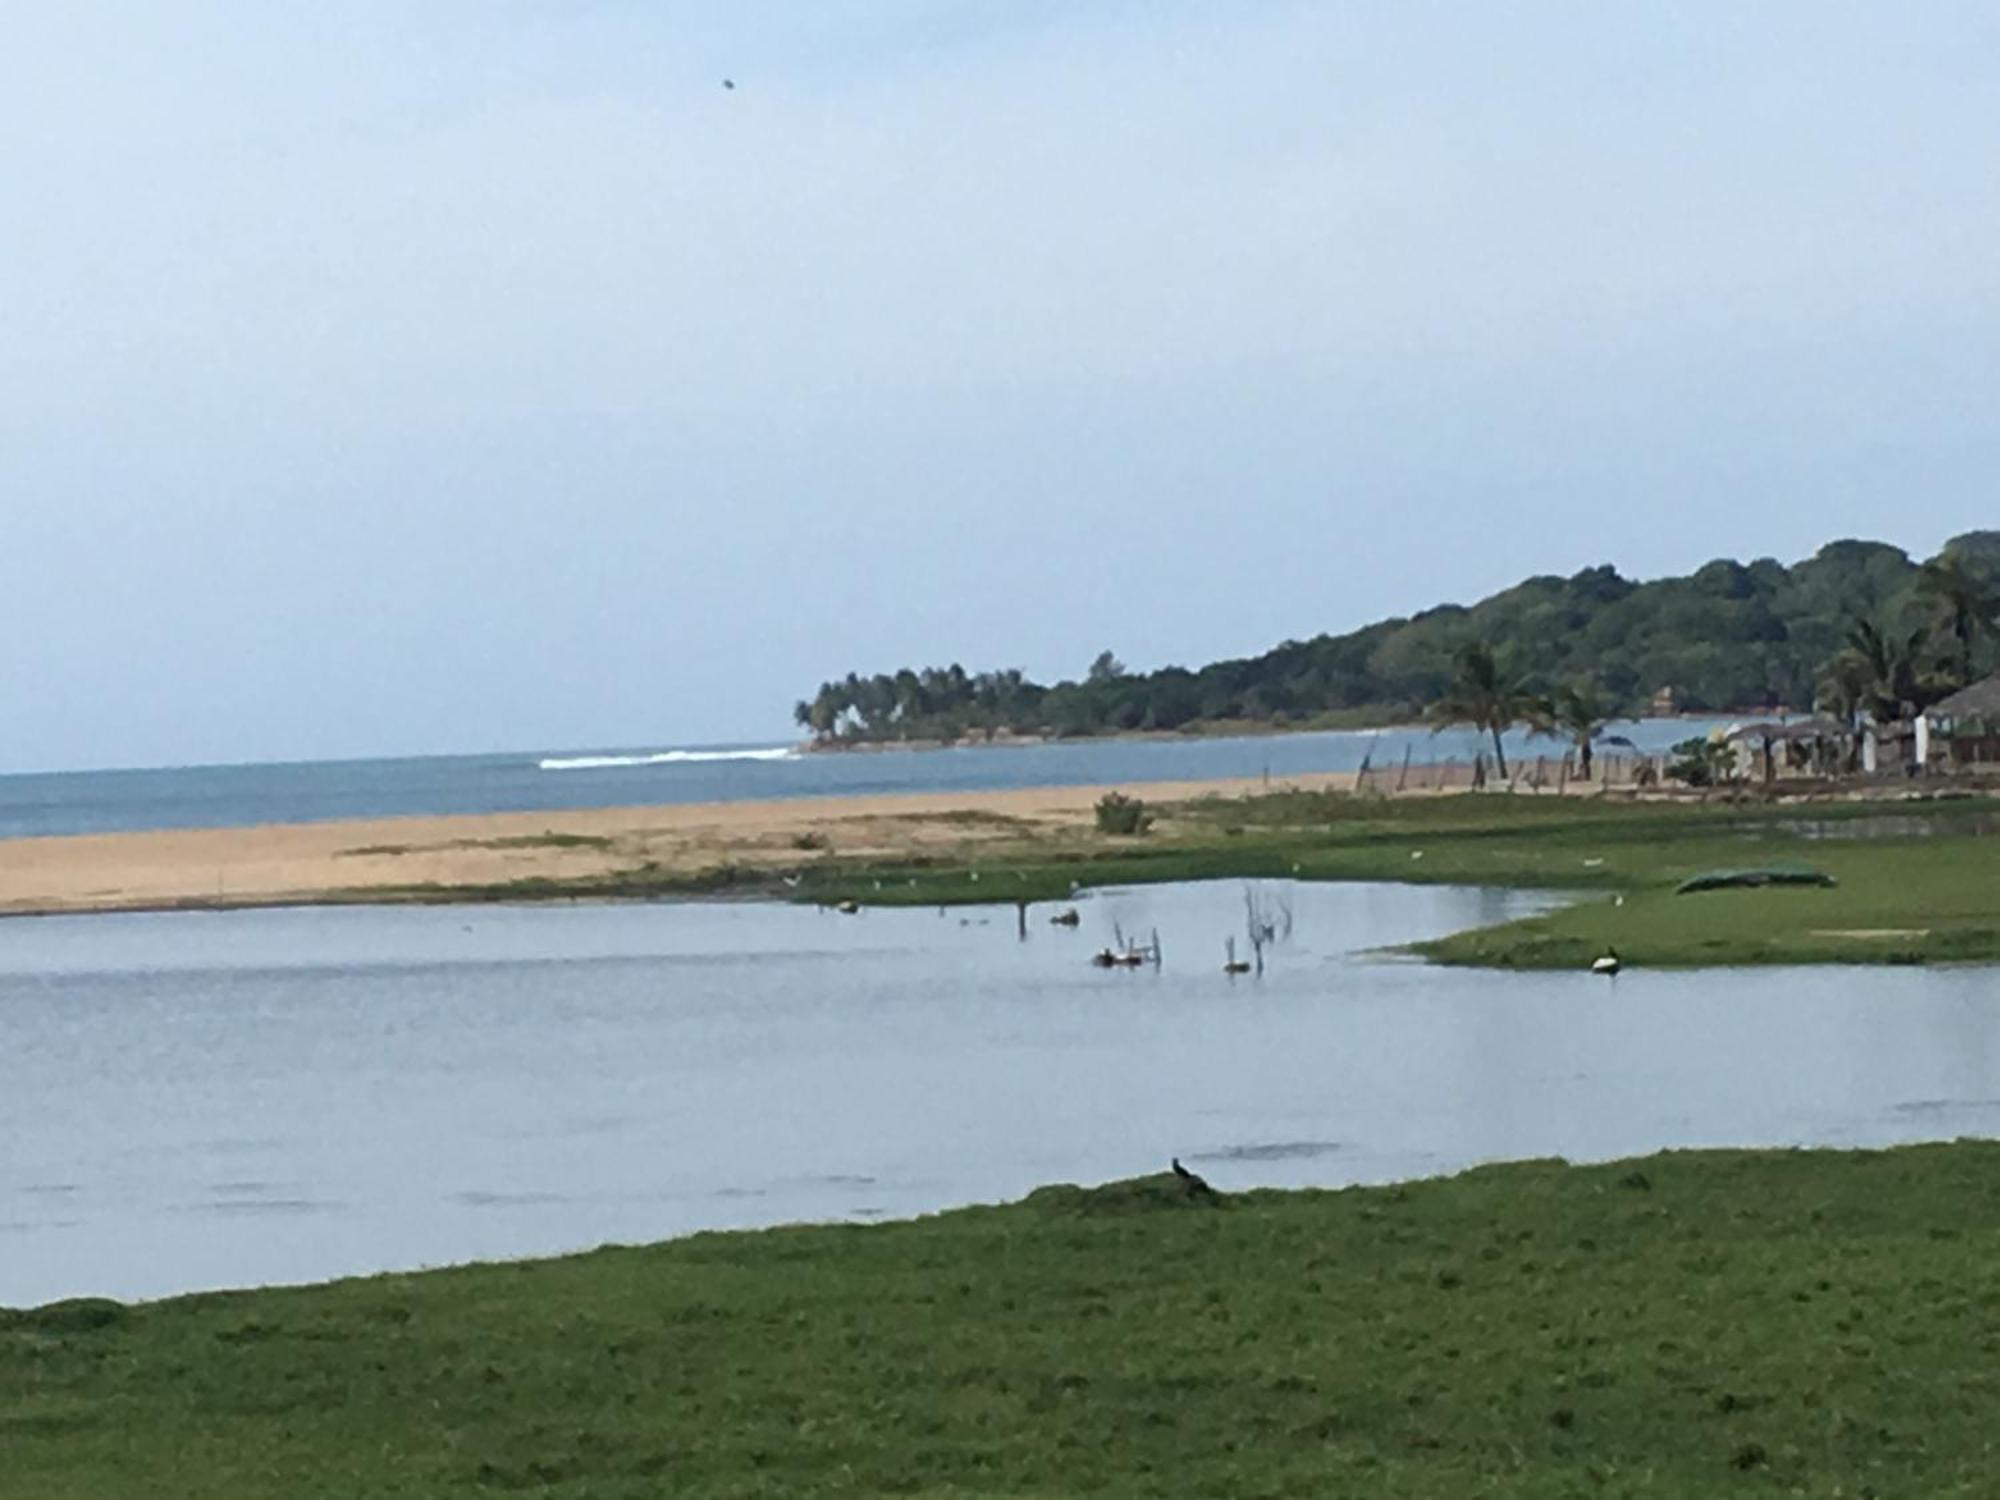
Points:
[(1842, 692), (1577, 713), (1482, 697), (1889, 668), (1964, 604)]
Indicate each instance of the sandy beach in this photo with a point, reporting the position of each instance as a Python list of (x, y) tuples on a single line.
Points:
[(384, 858)]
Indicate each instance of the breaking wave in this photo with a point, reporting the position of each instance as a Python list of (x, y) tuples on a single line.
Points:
[(663, 758)]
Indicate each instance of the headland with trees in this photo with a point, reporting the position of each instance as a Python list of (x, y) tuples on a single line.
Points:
[(1858, 628)]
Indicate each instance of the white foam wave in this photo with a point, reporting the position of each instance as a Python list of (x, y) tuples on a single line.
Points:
[(663, 758)]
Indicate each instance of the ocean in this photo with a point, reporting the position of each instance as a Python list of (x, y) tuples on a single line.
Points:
[(69, 802)]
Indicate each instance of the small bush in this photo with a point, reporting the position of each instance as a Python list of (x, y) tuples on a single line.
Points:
[(811, 841), (1118, 813)]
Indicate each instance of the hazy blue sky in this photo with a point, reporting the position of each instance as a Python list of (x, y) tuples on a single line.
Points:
[(473, 374)]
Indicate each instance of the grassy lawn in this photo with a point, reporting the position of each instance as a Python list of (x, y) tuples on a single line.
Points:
[(1903, 901), (1689, 1325)]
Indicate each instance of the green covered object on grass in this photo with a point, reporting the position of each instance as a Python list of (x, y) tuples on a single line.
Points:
[(1735, 880)]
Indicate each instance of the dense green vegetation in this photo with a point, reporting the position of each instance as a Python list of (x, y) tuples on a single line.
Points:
[(1858, 625), (1687, 1325)]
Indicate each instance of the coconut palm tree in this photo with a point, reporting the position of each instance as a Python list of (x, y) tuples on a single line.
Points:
[(1963, 604), (1577, 713), (1888, 662), (1486, 698), (1843, 693)]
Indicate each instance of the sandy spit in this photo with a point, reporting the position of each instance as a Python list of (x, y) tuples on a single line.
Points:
[(276, 864)]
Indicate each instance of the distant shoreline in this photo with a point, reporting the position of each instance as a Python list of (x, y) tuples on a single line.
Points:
[(1230, 730), (1003, 740)]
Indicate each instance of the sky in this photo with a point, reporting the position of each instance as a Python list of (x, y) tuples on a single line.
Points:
[(482, 374)]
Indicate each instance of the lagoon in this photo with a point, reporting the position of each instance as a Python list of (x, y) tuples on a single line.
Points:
[(199, 1100)]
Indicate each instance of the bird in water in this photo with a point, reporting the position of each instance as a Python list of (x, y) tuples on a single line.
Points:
[(1608, 964), (730, 84)]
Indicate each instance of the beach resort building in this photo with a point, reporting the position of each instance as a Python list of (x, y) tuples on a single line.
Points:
[(1774, 751), (1962, 730)]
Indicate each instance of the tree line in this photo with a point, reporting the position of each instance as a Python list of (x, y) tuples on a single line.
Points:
[(1859, 627)]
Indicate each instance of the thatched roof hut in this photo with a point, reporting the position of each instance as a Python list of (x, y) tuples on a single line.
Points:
[(1819, 727), (1815, 745), (1978, 704)]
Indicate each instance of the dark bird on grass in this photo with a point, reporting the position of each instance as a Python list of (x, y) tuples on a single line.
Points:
[(1195, 1185)]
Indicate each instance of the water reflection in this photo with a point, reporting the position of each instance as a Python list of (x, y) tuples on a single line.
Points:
[(208, 1100)]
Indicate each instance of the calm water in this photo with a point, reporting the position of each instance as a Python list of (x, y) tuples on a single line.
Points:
[(230, 796), (201, 1100)]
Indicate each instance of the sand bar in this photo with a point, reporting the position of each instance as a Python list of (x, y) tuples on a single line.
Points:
[(383, 858)]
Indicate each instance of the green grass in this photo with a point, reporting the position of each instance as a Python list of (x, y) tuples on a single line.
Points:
[(548, 838), (1690, 1325), (1906, 900)]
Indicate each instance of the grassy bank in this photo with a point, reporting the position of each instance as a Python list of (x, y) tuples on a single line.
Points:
[(1915, 880), (1934, 900), (1694, 1325)]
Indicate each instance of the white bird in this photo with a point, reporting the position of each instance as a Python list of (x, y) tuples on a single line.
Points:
[(1608, 964)]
